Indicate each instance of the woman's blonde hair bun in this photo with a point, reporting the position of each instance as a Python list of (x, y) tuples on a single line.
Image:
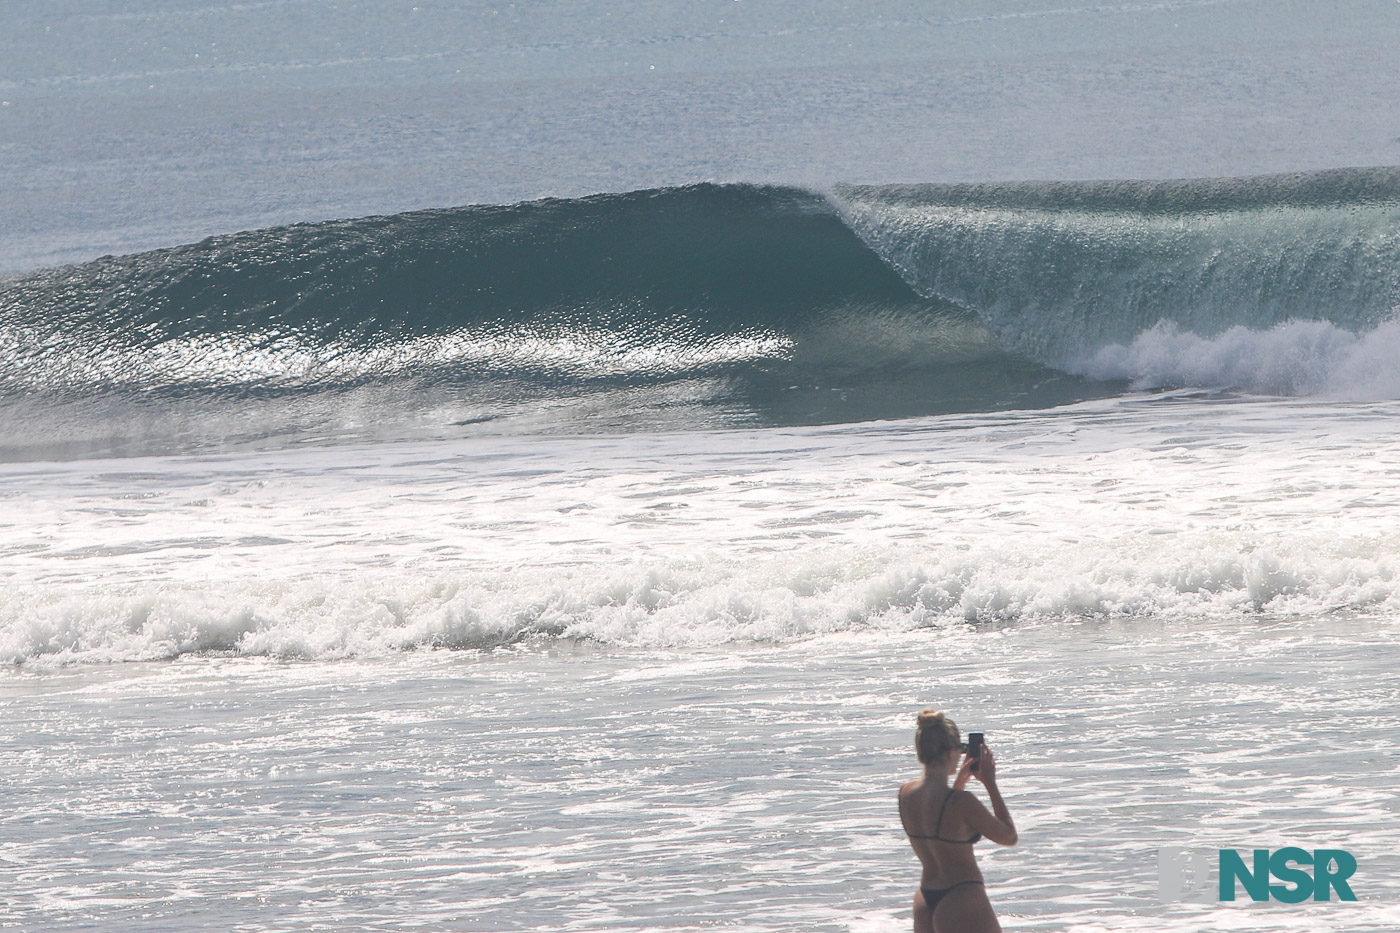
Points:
[(935, 734)]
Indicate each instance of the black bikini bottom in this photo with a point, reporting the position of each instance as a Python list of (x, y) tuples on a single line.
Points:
[(933, 895)]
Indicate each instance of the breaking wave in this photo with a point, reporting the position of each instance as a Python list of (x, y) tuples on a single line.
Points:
[(707, 306), (687, 604)]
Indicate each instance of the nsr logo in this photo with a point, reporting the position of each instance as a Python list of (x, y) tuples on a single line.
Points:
[(1185, 875)]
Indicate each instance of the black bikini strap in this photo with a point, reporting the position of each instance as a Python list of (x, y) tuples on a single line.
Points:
[(938, 826)]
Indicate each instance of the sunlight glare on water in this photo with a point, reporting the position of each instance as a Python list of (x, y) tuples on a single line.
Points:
[(748, 788)]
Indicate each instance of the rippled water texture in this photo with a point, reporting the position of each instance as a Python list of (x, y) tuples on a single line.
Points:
[(747, 789)]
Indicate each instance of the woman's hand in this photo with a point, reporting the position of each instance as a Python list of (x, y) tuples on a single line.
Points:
[(986, 766)]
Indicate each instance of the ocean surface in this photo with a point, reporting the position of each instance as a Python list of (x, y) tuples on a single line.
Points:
[(478, 468)]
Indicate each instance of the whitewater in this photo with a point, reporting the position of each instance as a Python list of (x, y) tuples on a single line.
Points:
[(417, 684), (480, 468)]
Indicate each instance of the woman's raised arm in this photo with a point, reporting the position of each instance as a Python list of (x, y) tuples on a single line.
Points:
[(996, 825)]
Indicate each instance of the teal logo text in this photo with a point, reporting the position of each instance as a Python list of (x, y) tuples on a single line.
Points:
[(1290, 875)]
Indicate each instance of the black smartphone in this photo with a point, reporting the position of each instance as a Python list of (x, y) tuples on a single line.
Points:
[(974, 747)]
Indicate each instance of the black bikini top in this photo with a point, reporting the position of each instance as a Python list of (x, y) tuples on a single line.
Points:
[(939, 825)]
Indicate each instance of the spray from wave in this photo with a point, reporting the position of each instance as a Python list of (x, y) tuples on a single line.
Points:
[(1315, 358)]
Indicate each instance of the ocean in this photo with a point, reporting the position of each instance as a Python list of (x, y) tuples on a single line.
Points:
[(492, 467)]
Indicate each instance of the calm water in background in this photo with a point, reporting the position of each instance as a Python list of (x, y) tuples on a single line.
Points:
[(131, 125), (666, 679)]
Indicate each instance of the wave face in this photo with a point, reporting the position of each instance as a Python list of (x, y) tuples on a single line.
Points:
[(706, 306), (695, 307)]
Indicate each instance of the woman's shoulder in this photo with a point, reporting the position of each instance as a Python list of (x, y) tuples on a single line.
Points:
[(909, 787), (963, 801)]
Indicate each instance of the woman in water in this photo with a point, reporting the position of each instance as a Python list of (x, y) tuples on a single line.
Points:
[(944, 822)]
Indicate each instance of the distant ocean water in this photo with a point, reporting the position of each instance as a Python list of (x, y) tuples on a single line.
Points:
[(507, 555)]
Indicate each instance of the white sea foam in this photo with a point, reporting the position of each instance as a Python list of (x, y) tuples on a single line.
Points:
[(1297, 358), (700, 603), (1155, 508)]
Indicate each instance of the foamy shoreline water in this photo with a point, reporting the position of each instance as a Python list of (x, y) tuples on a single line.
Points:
[(1157, 507)]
